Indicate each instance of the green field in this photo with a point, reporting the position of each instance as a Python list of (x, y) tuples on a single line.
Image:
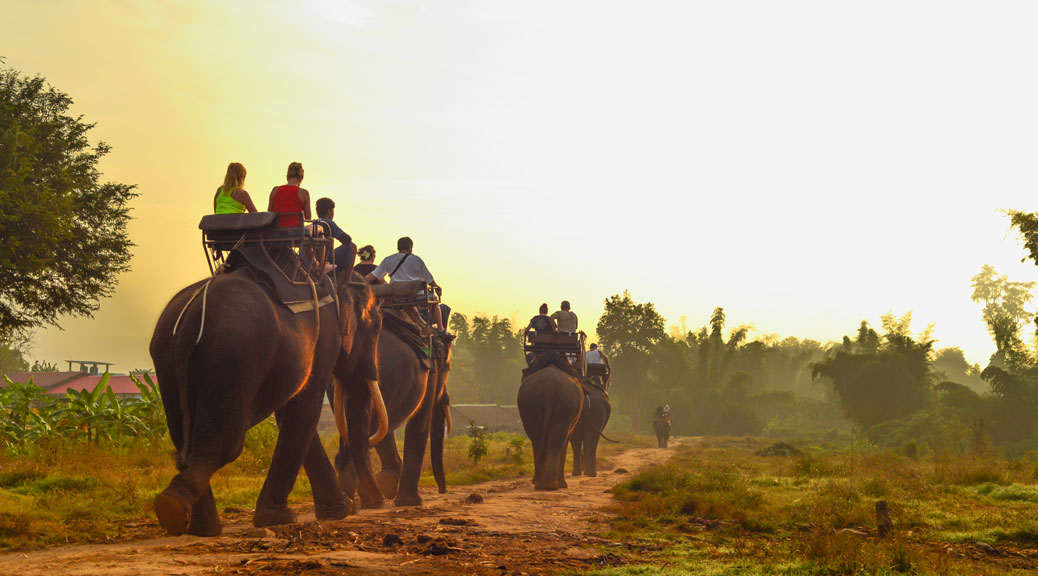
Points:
[(720, 508)]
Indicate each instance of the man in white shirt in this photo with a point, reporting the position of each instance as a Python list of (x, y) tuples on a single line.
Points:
[(598, 365), (403, 267)]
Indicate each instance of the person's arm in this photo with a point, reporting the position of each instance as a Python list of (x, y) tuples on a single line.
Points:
[(576, 322), (378, 275), (425, 274), (304, 197), (270, 202), (554, 324), (242, 196), (338, 233), (214, 200)]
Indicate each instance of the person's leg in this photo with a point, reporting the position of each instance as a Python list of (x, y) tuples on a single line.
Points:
[(445, 313)]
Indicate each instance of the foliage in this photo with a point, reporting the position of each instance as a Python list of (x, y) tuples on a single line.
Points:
[(487, 361), (13, 348), (64, 230), (880, 379), (629, 329), (515, 449), (43, 366), (478, 446), (30, 415)]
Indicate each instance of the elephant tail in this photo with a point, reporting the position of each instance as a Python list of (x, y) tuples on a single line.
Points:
[(607, 437), (182, 362), (183, 368)]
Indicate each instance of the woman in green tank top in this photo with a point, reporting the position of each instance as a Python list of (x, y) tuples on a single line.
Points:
[(231, 198)]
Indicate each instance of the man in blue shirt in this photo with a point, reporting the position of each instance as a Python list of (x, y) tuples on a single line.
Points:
[(345, 255)]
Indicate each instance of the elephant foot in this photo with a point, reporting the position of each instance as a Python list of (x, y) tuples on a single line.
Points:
[(337, 511), (545, 487), (173, 511), (590, 474), (388, 480), (408, 500), (371, 503), (207, 525), (272, 517)]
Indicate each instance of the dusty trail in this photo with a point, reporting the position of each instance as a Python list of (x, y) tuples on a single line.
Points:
[(514, 530)]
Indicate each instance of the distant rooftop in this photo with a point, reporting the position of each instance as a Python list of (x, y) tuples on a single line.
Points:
[(92, 364)]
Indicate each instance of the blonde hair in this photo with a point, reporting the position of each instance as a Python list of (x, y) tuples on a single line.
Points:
[(235, 177), (295, 170)]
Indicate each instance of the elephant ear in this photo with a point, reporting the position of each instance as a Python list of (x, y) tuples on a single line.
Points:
[(362, 323)]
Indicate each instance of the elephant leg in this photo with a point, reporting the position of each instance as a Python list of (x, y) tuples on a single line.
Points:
[(297, 423), (437, 431), (576, 444), (329, 501), (204, 519), (554, 460), (214, 442), (416, 438), (591, 454), (389, 476)]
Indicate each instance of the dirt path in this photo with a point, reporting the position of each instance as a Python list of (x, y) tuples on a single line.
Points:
[(513, 530)]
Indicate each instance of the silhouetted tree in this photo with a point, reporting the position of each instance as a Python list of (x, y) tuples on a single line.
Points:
[(63, 230)]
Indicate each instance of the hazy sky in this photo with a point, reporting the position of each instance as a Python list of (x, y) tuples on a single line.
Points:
[(805, 165)]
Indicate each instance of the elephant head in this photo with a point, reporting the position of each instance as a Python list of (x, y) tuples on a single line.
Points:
[(356, 376)]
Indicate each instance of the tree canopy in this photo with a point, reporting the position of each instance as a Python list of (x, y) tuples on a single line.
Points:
[(63, 229)]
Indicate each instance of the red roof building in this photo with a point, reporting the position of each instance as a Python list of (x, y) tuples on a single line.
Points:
[(59, 382)]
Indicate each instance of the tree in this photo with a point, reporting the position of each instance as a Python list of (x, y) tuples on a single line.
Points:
[(12, 353), (628, 332), (64, 231), (880, 384), (488, 360), (627, 328)]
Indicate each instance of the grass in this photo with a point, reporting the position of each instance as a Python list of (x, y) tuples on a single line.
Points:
[(716, 508)]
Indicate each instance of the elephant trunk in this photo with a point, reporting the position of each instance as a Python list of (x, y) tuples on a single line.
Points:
[(380, 410), (339, 408)]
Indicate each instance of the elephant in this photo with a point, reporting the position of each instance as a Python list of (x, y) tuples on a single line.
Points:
[(662, 427), (550, 401), (416, 398), (584, 440), (228, 359)]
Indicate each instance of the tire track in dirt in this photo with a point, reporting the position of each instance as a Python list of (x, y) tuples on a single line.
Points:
[(513, 530)]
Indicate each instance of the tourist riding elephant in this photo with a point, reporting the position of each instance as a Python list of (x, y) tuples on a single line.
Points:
[(550, 401), (227, 356), (416, 398), (584, 440)]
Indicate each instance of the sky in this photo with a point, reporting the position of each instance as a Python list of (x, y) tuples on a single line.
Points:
[(804, 165)]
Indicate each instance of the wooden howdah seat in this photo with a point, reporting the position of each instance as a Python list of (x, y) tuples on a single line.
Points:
[(223, 233), (568, 344)]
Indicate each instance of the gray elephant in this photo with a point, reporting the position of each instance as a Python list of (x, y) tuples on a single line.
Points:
[(550, 401), (593, 419), (227, 356)]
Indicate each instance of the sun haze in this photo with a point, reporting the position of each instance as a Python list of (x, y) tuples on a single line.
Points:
[(803, 164)]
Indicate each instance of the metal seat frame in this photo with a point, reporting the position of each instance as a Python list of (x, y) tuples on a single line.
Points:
[(214, 244)]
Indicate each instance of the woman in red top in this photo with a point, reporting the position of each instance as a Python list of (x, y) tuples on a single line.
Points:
[(290, 198)]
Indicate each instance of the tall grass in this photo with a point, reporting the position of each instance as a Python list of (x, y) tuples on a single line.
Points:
[(718, 504)]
